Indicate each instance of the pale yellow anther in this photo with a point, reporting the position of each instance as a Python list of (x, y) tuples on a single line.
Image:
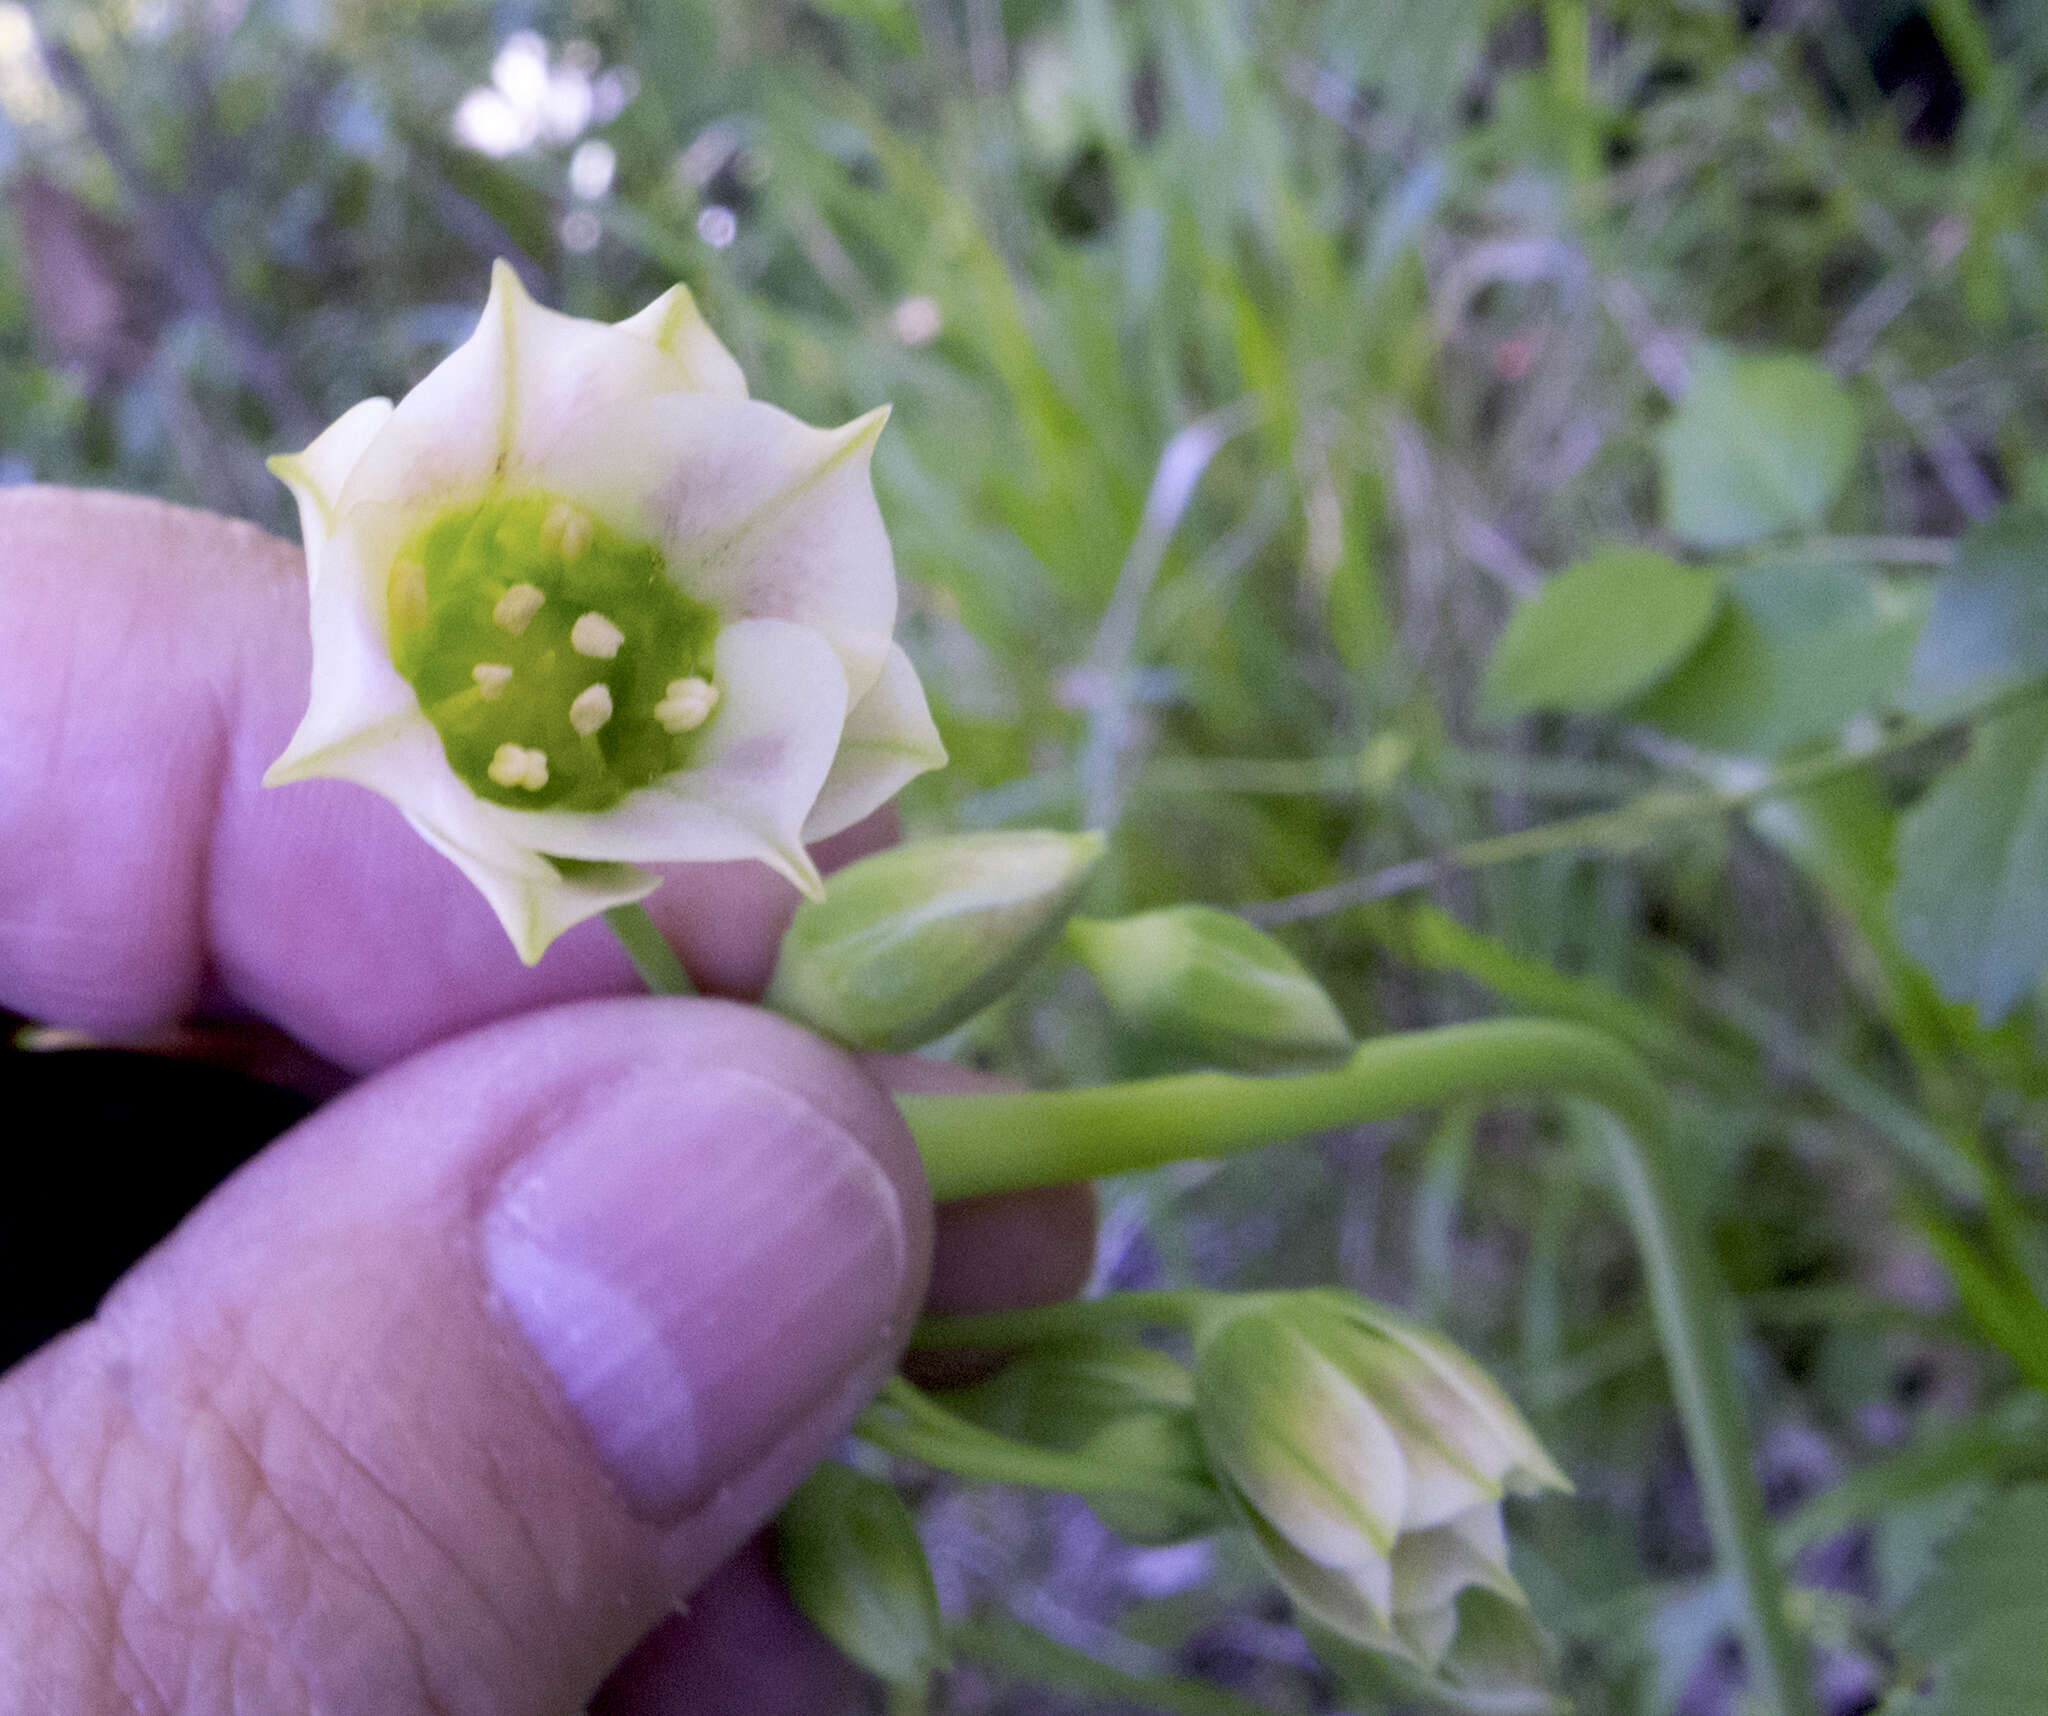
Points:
[(491, 679), (409, 595), (591, 709), (566, 531), (688, 704), (595, 636), (519, 766), (516, 608)]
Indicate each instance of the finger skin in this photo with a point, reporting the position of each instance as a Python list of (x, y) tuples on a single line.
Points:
[(153, 662), (739, 1648), (306, 1458)]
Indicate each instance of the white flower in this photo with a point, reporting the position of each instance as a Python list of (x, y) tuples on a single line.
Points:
[(580, 605), (1369, 1458)]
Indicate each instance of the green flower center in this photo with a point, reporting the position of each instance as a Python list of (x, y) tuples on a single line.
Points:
[(557, 660)]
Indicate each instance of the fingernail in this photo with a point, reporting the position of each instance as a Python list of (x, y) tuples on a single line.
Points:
[(696, 1267)]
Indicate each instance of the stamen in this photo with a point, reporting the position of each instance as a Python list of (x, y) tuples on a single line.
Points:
[(595, 636), (516, 608), (566, 531), (409, 595), (592, 708), (491, 679), (518, 766), (688, 704)]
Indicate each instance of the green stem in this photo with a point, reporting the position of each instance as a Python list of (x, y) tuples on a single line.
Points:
[(1172, 1309), (994, 1142), (1570, 44), (1626, 828), (906, 1421), (1966, 42), (649, 951)]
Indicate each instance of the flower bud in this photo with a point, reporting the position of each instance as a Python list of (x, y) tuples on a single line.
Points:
[(911, 942), (1157, 1443), (1126, 1406), (1370, 1457), (1201, 978), (852, 1562)]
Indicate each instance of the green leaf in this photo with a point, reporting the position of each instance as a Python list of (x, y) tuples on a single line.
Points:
[(1979, 1619), (852, 1562), (1599, 633), (1759, 445), (1797, 651), (1971, 901), (1989, 621)]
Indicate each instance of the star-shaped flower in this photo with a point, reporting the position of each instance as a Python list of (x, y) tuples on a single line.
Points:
[(580, 605)]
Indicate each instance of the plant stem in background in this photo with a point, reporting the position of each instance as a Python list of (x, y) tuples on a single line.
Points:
[(1624, 829), (1966, 42), (649, 951), (995, 1142), (1569, 30)]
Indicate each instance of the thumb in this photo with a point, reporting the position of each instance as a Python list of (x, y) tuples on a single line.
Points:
[(453, 1393)]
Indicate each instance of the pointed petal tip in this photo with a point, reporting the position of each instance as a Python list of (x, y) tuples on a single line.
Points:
[(805, 875), (505, 279), (289, 770), (864, 430)]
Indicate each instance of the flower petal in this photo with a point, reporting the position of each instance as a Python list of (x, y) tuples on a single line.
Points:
[(889, 739), (752, 783), (1428, 1633), (496, 407), (534, 899), (358, 697), (1495, 1435), (1357, 1602), (1307, 1450), (761, 516), (316, 475), (1455, 1459), (672, 323), (1432, 1567)]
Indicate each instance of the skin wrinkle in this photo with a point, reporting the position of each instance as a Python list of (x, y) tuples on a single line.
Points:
[(105, 1641), (207, 1403), (452, 1210), (203, 1573), (331, 1538), (330, 1544)]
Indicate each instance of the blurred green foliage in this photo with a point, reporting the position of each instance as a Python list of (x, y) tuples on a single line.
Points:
[(1252, 362)]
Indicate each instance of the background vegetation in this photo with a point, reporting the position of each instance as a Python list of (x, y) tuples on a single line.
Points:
[(1254, 361)]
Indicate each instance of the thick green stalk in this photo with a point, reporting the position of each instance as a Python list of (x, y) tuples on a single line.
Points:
[(996, 1142)]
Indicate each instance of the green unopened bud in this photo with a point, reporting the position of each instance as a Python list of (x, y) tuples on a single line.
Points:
[(1060, 1393), (913, 941), (1126, 1406), (1370, 1457), (1201, 978), (852, 1562), (1160, 1443)]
